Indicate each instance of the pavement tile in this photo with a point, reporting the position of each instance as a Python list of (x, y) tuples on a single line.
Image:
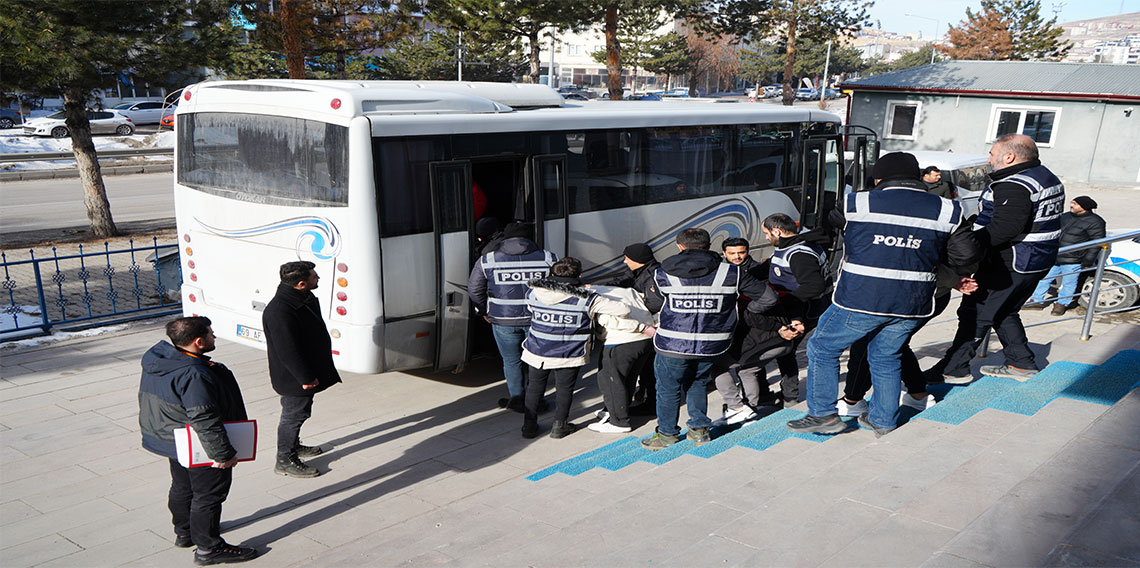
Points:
[(1114, 526), (455, 487), (37, 552), (143, 493), (1068, 555), (898, 540), (61, 433), (61, 493), (155, 517), (896, 486), (58, 521), (987, 426), (121, 461), (14, 511), (712, 551), (1119, 424), (34, 416), (947, 560), (20, 469), (46, 482), (10, 405), (832, 529)]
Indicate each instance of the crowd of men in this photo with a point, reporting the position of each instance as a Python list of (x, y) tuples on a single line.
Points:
[(675, 326)]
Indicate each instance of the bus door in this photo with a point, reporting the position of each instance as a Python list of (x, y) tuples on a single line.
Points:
[(822, 179), (546, 175), (454, 231), (863, 148)]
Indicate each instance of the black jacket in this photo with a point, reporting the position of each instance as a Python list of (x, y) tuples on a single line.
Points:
[(298, 343), (1076, 229), (640, 279), (177, 389), (811, 276), (477, 280), (1013, 215), (692, 263)]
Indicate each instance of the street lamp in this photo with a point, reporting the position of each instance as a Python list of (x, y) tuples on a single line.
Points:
[(937, 24)]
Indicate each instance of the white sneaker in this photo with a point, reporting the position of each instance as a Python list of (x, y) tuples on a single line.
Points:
[(740, 415), (603, 416), (856, 409), (607, 428), (917, 404)]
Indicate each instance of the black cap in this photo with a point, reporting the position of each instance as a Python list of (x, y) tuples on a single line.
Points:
[(896, 165), (517, 229), (639, 252), (487, 227), (1085, 202)]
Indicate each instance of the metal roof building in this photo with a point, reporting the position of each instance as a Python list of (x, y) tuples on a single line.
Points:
[(1080, 114)]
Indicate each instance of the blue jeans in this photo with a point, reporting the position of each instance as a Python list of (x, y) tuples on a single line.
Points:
[(510, 339), (674, 378), (838, 329), (1068, 283)]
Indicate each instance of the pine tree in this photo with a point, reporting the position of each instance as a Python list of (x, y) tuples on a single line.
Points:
[(1006, 30), (981, 36)]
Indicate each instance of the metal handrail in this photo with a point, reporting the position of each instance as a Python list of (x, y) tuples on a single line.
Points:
[(69, 155)]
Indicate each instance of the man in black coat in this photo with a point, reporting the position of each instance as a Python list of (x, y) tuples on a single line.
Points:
[(1079, 225), (181, 386), (300, 361)]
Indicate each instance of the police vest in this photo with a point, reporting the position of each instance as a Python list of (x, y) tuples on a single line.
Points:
[(894, 239), (1036, 249), (699, 314), (559, 330), (780, 274), (507, 275)]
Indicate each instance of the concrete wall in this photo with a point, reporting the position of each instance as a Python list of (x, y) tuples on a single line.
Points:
[(1093, 142)]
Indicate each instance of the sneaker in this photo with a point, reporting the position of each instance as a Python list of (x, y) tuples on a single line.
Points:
[(309, 451), (609, 428), (847, 409), (830, 424), (603, 415), (1007, 372), (561, 429), (957, 379), (740, 416), (529, 430), (865, 422), (1059, 309), (183, 541), (659, 441), (698, 436), (918, 404), (294, 467), (224, 554)]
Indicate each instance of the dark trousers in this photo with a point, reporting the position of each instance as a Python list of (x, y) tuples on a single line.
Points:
[(295, 410), (789, 366), (616, 374), (196, 497), (859, 370), (564, 380), (994, 308)]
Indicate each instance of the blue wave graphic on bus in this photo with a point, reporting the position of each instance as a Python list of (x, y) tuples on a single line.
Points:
[(730, 218), (322, 239)]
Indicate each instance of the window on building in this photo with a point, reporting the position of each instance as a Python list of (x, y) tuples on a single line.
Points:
[(1038, 123), (902, 119), (572, 49)]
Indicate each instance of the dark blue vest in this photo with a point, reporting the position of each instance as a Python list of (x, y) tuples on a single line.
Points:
[(507, 275), (1036, 249), (894, 239), (699, 314), (780, 271), (560, 330)]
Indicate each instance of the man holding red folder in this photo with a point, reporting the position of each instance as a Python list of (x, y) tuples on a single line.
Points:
[(181, 386)]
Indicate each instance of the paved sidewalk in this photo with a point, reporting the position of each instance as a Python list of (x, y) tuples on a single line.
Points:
[(423, 469)]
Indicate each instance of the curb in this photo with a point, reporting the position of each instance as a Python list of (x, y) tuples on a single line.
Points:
[(74, 172)]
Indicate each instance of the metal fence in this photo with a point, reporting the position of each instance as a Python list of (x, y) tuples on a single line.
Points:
[(94, 285)]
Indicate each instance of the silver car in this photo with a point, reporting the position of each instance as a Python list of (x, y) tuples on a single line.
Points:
[(145, 112), (102, 122)]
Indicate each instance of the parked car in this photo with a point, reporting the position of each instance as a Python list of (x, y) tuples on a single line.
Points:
[(833, 93), (565, 97), (771, 91), (968, 173), (806, 94), (679, 92), (145, 112), (1124, 255), (10, 117), (102, 122), (167, 120), (643, 97)]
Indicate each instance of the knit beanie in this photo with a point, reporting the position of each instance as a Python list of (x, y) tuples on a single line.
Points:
[(896, 165), (1085, 202), (639, 253)]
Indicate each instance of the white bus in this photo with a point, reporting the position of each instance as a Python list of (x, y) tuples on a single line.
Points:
[(373, 182)]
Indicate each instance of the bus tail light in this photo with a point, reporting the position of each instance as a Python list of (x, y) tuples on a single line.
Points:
[(186, 237), (186, 95), (190, 263), (335, 104), (341, 310), (192, 298), (341, 296), (193, 277), (342, 282), (189, 251), (342, 267)]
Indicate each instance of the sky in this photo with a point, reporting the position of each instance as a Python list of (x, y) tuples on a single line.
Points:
[(891, 13)]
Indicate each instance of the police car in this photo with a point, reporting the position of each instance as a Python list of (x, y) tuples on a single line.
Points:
[(1125, 255)]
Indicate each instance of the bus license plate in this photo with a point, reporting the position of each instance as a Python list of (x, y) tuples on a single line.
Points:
[(250, 333)]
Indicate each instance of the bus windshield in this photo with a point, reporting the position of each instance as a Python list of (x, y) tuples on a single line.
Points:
[(265, 159)]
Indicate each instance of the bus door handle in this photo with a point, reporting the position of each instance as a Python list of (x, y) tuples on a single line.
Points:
[(257, 306), (454, 299)]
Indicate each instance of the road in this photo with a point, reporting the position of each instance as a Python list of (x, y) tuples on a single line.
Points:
[(58, 203)]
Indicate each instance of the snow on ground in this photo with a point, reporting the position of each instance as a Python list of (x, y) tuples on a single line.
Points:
[(13, 141)]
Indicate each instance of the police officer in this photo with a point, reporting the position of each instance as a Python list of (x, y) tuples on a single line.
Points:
[(497, 287), (797, 271), (696, 296), (1019, 224), (895, 237)]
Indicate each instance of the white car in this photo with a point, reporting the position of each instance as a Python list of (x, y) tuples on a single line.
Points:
[(145, 112), (1125, 258), (966, 172), (102, 122)]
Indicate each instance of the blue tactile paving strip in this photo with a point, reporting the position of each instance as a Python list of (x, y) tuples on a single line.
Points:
[(1100, 384)]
